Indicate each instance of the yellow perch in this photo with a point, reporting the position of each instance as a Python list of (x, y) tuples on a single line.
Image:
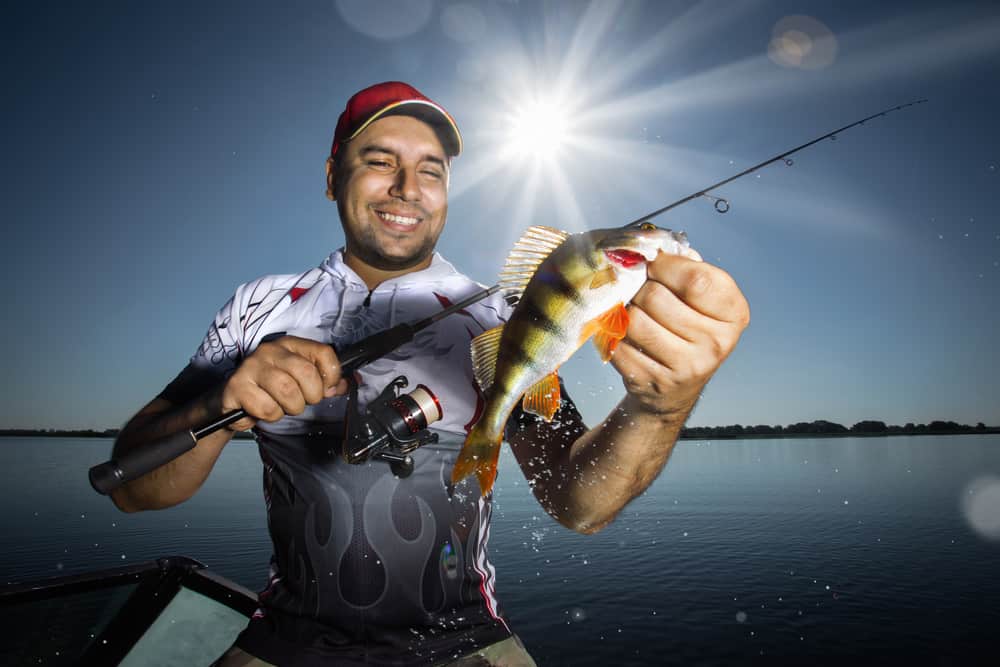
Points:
[(572, 287)]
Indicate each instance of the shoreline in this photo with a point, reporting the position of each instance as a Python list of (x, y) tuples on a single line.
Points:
[(247, 435)]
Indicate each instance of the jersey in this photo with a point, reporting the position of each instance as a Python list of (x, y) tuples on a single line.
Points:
[(368, 568)]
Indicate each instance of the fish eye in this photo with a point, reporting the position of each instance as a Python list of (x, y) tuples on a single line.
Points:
[(647, 226)]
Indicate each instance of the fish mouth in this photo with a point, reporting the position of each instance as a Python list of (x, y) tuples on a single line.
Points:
[(626, 258), (397, 220)]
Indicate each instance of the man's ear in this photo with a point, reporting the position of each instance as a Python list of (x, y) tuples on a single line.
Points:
[(331, 179)]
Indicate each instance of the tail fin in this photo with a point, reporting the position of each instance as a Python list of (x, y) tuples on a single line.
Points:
[(479, 455)]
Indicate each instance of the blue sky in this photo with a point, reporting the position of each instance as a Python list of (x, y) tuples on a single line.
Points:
[(158, 154)]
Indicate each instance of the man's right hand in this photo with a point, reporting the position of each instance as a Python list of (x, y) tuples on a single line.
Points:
[(280, 378)]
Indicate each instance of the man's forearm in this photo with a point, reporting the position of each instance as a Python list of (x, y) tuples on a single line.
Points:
[(611, 464), (178, 480)]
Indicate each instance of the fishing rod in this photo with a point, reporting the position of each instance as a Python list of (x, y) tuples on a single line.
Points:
[(722, 204), (111, 474), (108, 476)]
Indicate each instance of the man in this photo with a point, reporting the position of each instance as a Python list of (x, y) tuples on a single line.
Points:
[(369, 568)]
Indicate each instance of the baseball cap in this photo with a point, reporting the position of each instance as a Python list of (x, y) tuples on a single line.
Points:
[(395, 98)]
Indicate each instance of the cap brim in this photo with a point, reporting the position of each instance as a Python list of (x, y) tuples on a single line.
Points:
[(430, 113)]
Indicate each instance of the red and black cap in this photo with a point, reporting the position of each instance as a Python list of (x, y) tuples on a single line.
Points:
[(395, 98)]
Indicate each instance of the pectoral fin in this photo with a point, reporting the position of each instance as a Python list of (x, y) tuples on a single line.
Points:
[(607, 330), (603, 277), (542, 398)]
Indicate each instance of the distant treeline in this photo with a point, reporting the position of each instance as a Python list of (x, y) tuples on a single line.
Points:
[(822, 427), (819, 427)]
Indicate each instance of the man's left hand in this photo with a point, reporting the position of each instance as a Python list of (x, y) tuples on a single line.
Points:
[(684, 322)]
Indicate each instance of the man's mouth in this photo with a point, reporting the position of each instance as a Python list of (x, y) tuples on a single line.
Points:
[(394, 219)]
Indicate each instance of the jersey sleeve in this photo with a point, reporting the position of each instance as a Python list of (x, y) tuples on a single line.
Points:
[(218, 355)]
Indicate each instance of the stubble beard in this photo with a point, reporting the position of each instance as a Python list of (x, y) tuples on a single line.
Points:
[(366, 248)]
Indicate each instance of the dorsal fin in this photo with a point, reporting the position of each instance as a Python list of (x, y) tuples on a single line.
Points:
[(531, 249), (485, 348)]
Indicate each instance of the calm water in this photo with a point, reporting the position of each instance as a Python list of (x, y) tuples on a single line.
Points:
[(767, 551)]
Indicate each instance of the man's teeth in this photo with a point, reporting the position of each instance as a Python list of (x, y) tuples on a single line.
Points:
[(398, 219)]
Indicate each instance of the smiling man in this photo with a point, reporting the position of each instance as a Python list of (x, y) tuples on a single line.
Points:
[(369, 568)]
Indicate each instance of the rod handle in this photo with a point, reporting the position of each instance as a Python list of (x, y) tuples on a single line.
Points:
[(108, 476)]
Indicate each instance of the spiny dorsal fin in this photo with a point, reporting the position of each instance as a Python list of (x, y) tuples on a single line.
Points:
[(542, 398), (485, 348), (531, 249)]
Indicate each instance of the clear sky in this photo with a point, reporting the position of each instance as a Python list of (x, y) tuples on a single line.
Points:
[(158, 154)]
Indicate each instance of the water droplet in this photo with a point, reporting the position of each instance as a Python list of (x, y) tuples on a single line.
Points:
[(577, 614), (833, 137), (845, 502), (789, 161), (992, 167)]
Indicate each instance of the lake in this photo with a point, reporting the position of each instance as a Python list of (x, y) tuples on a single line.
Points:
[(766, 550)]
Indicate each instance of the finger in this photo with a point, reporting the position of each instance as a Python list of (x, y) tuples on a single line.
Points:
[(338, 389), (258, 403), (667, 310), (702, 286), (662, 346), (319, 355), (634, 365), (305, 372), (283, 389)]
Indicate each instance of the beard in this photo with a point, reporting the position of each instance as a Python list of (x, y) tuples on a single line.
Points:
[(366, 248)]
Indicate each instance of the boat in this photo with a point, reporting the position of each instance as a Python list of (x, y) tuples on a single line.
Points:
[(171, 611)]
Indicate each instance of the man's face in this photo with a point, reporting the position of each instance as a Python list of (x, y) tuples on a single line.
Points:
[(391, 187)]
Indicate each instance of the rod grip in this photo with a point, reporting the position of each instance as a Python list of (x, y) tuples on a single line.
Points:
[(108, 476)]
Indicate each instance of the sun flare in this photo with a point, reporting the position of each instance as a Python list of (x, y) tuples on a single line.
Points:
[(539, 129)]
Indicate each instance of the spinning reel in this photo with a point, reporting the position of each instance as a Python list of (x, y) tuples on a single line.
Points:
[(392, 426)]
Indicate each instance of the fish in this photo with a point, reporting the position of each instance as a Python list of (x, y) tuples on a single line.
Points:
[(571, 287)]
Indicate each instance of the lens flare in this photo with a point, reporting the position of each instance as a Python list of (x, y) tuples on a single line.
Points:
[(802, 42), (981, 506)]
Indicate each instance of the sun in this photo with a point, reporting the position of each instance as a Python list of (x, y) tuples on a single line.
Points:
[(539, 129)]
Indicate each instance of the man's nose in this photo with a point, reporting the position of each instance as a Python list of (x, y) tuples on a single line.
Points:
[(405, 185)]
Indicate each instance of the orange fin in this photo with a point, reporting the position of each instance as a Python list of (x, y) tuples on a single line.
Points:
[(603, 277), (479, 455), (542, 398), (607, 330)]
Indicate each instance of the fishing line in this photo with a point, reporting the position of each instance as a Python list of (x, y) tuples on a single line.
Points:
[(722, 204)]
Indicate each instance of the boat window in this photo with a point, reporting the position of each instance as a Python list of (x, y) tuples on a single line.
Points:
[(192, 630)]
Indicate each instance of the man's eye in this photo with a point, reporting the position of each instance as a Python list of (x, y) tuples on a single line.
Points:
[(432, 174), (379, 163)]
